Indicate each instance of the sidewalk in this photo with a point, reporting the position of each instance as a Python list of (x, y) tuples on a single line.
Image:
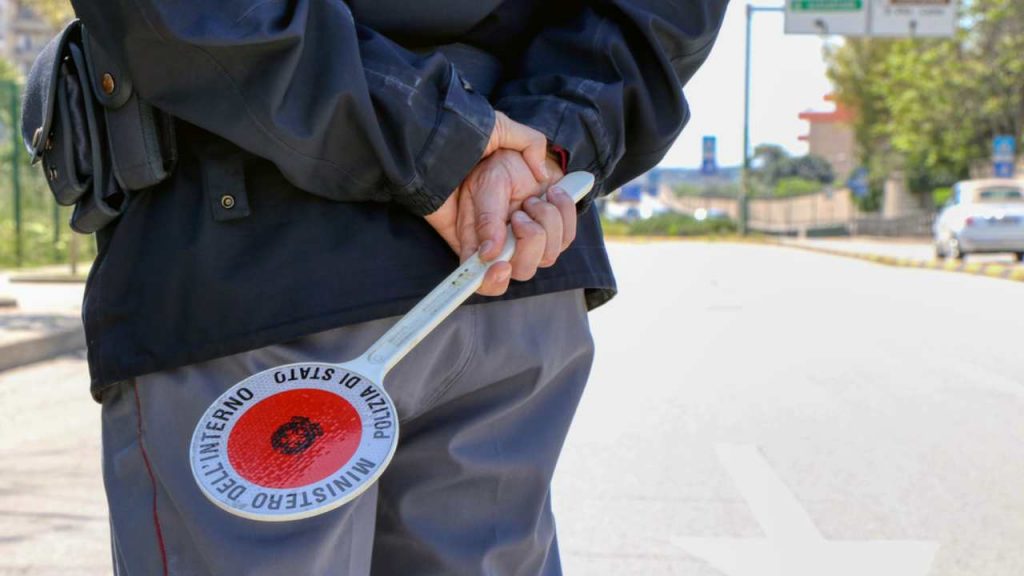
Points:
[(45, 319), (911, 253)]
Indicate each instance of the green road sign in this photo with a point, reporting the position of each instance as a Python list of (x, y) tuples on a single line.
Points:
[(826, 5)]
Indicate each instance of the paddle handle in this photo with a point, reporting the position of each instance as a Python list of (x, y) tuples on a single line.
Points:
[(443, 300)]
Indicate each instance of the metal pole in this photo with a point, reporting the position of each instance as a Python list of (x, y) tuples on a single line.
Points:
[(56, 232), (745, 183), (73, 253), (16, 174)]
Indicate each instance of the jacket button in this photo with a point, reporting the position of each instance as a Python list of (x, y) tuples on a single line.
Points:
[(108, 84), (227, 201)]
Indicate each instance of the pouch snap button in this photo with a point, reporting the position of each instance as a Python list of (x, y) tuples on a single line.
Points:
[(227, 201), (108, 84)]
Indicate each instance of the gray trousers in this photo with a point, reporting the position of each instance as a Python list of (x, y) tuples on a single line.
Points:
[(485, 403)]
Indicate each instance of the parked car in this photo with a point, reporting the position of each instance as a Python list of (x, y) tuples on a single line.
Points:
[(982, 216)]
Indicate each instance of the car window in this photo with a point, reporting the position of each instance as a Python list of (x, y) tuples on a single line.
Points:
[(1000, 194)]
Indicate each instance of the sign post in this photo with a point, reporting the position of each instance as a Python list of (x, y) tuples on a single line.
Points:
[(858, 183), (1004, 156), (709, 164)]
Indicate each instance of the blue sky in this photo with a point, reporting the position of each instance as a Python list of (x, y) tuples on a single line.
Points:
[(788, 78)]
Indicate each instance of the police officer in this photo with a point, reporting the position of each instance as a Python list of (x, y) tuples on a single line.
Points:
[(335, 160)]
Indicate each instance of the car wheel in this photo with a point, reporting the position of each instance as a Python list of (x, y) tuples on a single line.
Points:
[(1020, 256), (940, 253)]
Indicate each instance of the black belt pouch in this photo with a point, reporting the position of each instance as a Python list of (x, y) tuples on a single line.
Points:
[(98, 143)]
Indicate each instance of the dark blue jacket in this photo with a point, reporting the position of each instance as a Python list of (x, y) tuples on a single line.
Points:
[(335, 127)]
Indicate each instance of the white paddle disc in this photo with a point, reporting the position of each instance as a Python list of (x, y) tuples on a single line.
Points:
[(293, 442)]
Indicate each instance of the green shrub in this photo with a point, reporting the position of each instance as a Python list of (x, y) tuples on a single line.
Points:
[(614, 227), (670, 224), (686, 189), (796, 186)]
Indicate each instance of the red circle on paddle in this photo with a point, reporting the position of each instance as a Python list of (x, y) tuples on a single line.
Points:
[(294, 438)]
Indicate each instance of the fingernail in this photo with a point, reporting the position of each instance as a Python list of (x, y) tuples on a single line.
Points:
[(486, 247), (532, 201), (559, 192), (521, 216)]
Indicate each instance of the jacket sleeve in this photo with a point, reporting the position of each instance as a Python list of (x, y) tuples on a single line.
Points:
[(603, 79), (341, 110)]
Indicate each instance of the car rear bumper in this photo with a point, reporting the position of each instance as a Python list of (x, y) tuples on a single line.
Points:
[(1003, 241)]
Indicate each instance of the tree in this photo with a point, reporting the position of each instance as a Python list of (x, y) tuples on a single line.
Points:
[(772, 165), (56, 12), (930, 107), (855, 69), (812, 168)]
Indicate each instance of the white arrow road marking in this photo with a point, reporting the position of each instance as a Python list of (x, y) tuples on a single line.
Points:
[(793, 546)]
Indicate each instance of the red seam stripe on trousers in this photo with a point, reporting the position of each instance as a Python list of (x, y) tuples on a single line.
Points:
[(152, 481)]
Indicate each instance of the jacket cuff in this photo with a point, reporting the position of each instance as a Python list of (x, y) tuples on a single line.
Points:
[(464, 124)]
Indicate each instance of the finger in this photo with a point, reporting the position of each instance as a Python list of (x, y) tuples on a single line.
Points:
[(466, 228), (530, 242), (536, 156), (490, 212), (496, 280), (554, 170), (548, 216), (523, 183), (567, 208), (532, 144)]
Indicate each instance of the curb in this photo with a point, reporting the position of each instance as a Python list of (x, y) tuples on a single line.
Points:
[(990, 270), (42, 348)]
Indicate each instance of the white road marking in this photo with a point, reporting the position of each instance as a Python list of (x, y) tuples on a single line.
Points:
[(793, 546)]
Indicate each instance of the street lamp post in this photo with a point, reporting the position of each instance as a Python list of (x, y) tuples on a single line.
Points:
[(745, 190)]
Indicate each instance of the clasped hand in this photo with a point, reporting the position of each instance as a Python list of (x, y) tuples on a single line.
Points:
[(506, 187)]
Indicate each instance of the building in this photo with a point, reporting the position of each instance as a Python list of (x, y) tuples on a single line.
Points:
[(831, 137), (23, 34)]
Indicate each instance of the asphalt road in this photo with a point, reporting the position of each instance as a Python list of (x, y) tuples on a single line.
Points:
[(754, 410)]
